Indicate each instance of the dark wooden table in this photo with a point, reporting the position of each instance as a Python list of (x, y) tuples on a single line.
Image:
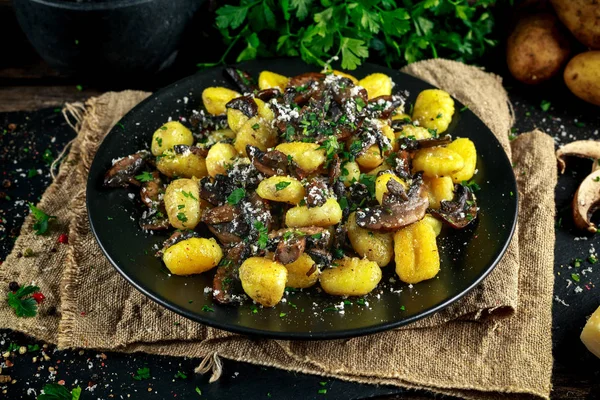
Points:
[(27, 84)]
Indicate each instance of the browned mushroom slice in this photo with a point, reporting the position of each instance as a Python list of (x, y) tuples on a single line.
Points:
[(245, 104), (335, 169), (218, 215), (271, 163), (579, 148), (227, 286), (242, 79), (229, 232), (586, 201), (123, 171), (175, 238), (344, 89), (392, 216), (151, 190), (216, 191), (383, 106), (320, 256), (268, 94), (290, 250), (459, 212), (155, 221), (306, 78), (402, 165), (412, 144), (317, 193)]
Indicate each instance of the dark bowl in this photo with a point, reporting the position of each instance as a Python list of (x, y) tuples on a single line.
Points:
[(109, 38), (467, 255)]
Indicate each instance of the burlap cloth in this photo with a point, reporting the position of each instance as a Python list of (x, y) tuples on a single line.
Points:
[(469, 350)]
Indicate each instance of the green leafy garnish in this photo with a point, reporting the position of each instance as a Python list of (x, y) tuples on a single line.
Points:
[(545, 105), (54, 391), (180, 375), (181, 216), (207, 308), (198, 391), (189, 195), (575, 277), (592, 259), (255, 126), (31, 173), (471, 185), (281, 185), (142, 373), (236, 196), (145, 177), (263, 236), (369, 182), (40, 225)]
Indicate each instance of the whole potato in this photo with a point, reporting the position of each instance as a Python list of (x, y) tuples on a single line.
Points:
[(582, 76), (536, 49), (582, 18)]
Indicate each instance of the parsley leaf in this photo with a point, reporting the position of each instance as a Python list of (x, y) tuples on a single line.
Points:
[(236, 196), (471, 185), (263, 236), (545, 105), (181, 375), (41, 219), (142, 373), (189, 195), (182, 217), (54, 391), (281, 185), (145, 177), (22, 302)]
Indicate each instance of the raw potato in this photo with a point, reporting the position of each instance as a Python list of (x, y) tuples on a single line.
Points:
[(256, 132), (352, 277), (434, 109), (326, 215), (375, 246), (370, 159), (293, 193), (308, 156), (381, 185), (215, 99), (417, 257), (169, 135), (297, 273), (582, 76), (350, 173), (182, 203), (263, 280), (467, 151), (268, 80), (537, 48), (437, 161), (582, 18), (219, 155), (377, 84), (193, 256), (439, 189), (186, 165)]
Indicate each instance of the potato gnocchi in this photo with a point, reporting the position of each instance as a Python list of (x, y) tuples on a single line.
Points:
[(315, 179)]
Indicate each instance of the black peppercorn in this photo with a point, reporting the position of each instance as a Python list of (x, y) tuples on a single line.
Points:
[(13, 286)]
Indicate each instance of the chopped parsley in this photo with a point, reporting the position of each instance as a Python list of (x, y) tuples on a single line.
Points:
[(236, 196), (369, 182), (142, 374), (465, 108), (317, 236), (207, 308), (402, 308), (281, 315), (579, 124), (180, 375), (188, 195), (145, 176), (361, 302), (163, 128), (471, 185), (597, 179), (159, 141), (263, 236), (198, 391), (254, 309), (180, 206), (575, 277), (577, 262), (545, 105), (592, 259), (31, 173), (322, 391), (360, 104), (181, 216), (22, 302), (281, 185), (255, 126), (40, 225)]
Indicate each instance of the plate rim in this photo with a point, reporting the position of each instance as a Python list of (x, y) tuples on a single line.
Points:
[(324, 335)]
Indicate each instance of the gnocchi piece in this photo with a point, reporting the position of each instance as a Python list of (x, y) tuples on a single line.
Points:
[(435, 223), (297, 271), (170, 134), (400, 114), (281, 188), (437, 161), (467, 151), (264, 110), (236, 119), (370, 159), (381, 185), (383, 167), (388, 132), (350, 173), (434, 109), (377, 84), (221, 135), (417, 132), (256, 132), (268, 80), (182, 204), (263, 280), (193, 256), (219, 155), (184, 165), (326, 215), (308, 156), (417, 257), (215, 99), (439, 189), (352, 277), (375, 246), (345, 75)]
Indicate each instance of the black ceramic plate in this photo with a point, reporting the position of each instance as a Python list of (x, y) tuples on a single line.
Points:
[(467, 255)]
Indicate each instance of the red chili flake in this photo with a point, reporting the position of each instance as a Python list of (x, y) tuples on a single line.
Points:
[(64, 239), (587, 287), (38, 297), (83, 313), (61, 382)]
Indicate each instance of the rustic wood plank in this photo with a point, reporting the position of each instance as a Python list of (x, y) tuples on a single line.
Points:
[(26, 98)]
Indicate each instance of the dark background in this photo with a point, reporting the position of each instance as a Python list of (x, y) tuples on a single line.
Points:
[(27, 83)]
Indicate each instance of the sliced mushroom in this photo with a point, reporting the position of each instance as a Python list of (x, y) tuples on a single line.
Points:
[(317, 193), (396, 214), (268, 94), (335, 169), (221, 214), (216, 192), (245, 104), (579, 148), (151, 190), (459, 212), (195, 150), (269, 163), (227, 286), (290, 250), (242, 79), (154, 221), (586, 201), (412, 144), (123, 172)]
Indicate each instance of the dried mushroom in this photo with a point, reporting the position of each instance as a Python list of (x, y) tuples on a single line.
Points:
[(580, 148)]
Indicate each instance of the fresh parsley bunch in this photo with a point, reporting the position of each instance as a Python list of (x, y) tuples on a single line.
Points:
[(395, 31)]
